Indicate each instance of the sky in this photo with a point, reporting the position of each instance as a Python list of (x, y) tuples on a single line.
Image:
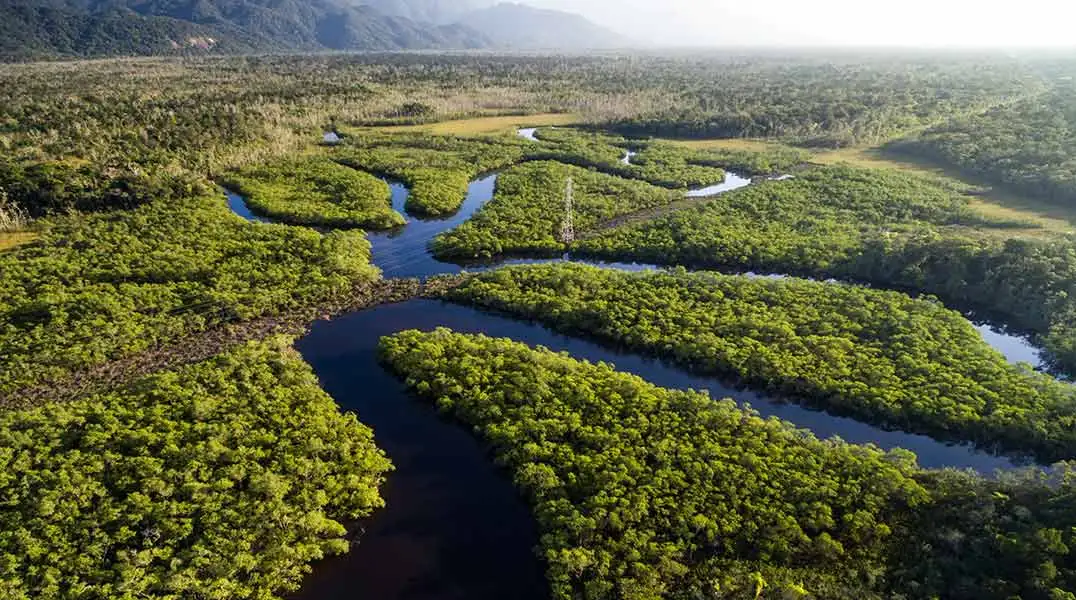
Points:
[(930, 23)]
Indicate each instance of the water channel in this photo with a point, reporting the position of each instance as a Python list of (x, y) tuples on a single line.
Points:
[(453, 527)]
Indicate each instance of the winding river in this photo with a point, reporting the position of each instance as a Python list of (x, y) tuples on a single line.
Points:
[(454, 527)]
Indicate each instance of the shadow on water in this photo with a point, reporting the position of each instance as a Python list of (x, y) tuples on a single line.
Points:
[(453, 527), (404, 252)]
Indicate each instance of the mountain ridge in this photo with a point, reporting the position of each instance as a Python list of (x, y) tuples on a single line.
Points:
[(32, 29), (516, 25)]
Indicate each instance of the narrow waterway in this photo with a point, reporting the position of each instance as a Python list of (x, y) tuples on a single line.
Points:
[(239, 206), (454, 527)]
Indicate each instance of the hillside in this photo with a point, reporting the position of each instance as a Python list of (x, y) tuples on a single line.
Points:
[(438, 12), (521, 26), (82, 28), (30, 31)]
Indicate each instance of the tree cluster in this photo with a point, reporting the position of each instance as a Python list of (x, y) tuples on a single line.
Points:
[(880, 227), (95, 288), (316, 191), (880, 356), (528, 210), (642, 492), (223, 479)]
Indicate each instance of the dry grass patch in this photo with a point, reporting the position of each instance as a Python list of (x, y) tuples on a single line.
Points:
[(751, 145), (16, 238), (490, 125), (994, 201)]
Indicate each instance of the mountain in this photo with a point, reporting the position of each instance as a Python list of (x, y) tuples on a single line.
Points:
[(81, 28), (508, 25), (34, 30), (439, 12), (37, 28), (526, 27)]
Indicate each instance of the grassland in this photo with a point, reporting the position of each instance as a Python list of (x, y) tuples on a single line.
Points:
[(991, 200), (488, 125), (17, 238)]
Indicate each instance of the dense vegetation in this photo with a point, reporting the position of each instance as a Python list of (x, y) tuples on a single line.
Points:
[(1030, 145), (436, 168), (122, 244), (317, 191), (526, 214), (774, 159), (880, 356), (44, 28), (209, 114), (868, 105), (46, 187), (663, 165), (882, 227), (581, 439), (98, 287), (642, 492), (221, 480)]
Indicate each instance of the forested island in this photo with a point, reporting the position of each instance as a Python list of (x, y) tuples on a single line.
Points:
[(272, 326)]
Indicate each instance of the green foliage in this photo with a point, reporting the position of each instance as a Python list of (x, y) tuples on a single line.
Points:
[(317, 191), (880, 356), (829, 101), (526, 214), (642, 492), (1030, 145), (664, 165), (51, 187), (985, 539), (203, 116), (436, 168), (806, 223), (877, 226), (220, 480), (99, 287), (773, 160)]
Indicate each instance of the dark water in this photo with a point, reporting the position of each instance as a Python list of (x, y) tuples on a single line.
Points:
[(404, 252), (453, 527)]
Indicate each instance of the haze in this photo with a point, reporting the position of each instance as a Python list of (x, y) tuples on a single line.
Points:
[(931, 23)]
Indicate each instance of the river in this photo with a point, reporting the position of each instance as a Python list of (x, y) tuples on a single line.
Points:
[(454, 527)]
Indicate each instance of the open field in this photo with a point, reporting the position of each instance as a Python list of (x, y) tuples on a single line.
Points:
[(489, 125), (750, 145), (994, 201)]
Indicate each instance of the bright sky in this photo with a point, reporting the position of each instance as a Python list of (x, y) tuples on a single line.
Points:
[(935, 23)]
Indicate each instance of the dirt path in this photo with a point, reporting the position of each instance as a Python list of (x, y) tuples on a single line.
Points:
[(202, 346)]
